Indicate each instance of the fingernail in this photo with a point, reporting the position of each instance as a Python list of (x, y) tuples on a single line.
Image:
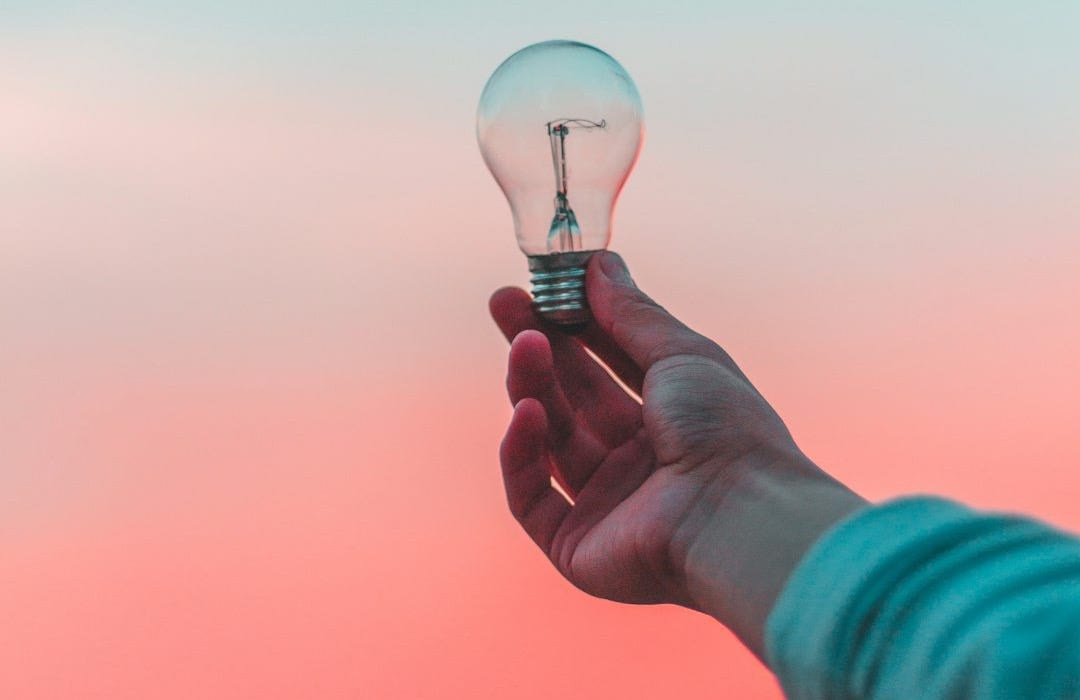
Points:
[(613, 267)]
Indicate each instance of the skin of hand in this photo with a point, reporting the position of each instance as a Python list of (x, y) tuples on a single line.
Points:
[(695, 494)]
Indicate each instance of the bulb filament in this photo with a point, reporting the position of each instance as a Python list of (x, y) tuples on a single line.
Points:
[(564, 236)]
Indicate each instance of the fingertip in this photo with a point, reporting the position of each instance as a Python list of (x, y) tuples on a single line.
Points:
[(501, 296), (607, 280), (530, 343), (603, 291), (594, 271), (530, 365), (613, 267), (505, 302), (529, 410), (511, 308), (530, 335), (525, 436)]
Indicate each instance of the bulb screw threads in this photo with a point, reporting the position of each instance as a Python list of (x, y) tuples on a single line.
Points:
[(558, 288)]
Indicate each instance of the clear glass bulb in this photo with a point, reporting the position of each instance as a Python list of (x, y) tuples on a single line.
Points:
[(560, 127)]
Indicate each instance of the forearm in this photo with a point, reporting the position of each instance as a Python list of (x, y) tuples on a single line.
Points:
[(752, 526)]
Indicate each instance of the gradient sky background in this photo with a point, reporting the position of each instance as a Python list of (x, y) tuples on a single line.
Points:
[(250, 398)]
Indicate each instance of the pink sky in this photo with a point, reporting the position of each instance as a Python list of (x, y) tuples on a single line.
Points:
[(251, 399)]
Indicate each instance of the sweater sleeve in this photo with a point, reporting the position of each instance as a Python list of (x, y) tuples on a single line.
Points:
[(924, 598)]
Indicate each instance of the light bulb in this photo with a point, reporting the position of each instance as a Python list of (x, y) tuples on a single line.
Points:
[(560, 126)]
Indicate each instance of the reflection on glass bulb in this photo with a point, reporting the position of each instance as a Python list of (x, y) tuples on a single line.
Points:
[(581, 104)]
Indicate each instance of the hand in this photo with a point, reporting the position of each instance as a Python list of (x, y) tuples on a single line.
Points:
[(651, 481)]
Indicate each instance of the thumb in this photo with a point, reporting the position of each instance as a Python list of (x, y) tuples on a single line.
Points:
[(642, 328)]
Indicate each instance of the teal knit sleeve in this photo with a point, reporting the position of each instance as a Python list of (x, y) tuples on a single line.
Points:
[(924, 598)]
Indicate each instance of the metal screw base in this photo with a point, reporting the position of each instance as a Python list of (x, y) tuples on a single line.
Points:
[(558, 288)]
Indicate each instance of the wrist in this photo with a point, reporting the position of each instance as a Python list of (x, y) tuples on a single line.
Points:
[(753, 524)]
